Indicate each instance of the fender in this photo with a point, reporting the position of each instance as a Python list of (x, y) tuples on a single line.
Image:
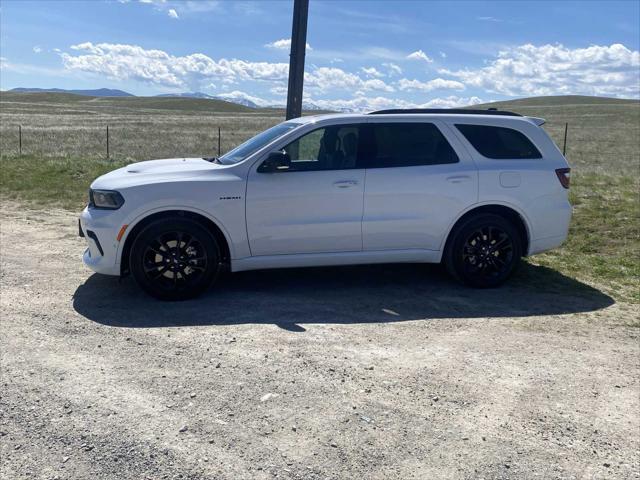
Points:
[(132, 223), (518, 210)]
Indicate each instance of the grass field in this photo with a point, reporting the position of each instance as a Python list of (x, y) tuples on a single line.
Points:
[(64, 149), (67, 125)]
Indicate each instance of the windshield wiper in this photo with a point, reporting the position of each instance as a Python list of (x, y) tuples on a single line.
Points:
[(212, 159)]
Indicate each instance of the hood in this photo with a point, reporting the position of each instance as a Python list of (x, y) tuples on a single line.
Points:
[(160, 171)]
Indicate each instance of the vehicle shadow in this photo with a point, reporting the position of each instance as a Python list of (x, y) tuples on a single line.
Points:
[(341, 295)]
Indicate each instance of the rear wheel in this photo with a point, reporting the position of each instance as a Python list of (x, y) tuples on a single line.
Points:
[(483, 251), (174, 259)]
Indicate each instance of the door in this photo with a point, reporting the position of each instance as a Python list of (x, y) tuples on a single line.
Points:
[(417, 184), (314, 203)]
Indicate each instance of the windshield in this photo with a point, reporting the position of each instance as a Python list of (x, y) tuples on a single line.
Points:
[(256, 143)]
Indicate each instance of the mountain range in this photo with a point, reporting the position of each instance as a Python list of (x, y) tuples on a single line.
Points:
[(108, 92)]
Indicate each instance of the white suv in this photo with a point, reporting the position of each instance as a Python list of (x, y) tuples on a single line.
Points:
[(473, 189)]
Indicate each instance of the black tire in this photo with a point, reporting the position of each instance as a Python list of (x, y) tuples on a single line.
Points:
[(174, 259), (483, 251)]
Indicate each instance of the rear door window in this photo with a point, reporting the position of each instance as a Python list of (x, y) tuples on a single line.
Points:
[(407, 145), (499, 142)]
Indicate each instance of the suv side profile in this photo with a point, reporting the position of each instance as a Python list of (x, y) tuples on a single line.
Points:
[(474, 189)]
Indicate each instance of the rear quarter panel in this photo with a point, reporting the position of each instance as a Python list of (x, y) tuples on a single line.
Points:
[(530, 186)]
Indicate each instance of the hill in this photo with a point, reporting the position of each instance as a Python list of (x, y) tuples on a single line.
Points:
[(560, 101), (55, 100), (98, 92)]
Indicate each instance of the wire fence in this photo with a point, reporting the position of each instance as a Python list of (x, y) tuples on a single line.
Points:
[(132, 142), (126, 136), (111, 143)]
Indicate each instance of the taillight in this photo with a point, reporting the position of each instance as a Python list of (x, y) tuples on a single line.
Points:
[(564, 175)]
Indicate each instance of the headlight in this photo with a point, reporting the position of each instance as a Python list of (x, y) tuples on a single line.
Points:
[(107, 199)]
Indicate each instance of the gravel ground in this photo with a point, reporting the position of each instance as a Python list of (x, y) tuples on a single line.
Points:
[(361, 372)]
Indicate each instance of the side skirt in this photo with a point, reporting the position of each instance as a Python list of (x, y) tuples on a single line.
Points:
[(334, 259)]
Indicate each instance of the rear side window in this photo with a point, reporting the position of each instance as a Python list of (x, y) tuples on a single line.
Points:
[(407, 145), (499, 142)]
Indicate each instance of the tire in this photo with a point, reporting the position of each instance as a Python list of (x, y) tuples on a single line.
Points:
[(483, 251), (174, 259)]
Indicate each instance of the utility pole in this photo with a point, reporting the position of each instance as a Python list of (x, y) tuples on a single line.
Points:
[(296, 58)]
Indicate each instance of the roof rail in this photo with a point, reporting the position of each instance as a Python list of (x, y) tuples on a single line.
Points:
[(447, 111)]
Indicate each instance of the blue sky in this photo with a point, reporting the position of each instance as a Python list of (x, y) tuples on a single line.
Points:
[(363, 54)]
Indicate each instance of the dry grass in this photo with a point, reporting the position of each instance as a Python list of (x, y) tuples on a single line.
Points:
[(60, 125)]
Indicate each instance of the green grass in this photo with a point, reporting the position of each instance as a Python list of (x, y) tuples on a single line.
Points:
[(62, 182), (603, 247), (64, 150)]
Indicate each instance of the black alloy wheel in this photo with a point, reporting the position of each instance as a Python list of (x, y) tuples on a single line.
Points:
[(174, 259), (484, 251)]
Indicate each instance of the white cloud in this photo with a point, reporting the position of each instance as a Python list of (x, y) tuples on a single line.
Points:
[(132, 62), (372, 72), (172, 13), (37, 49), (452, 101), (518, 71), (443, 55), (419, 55), (363, 103), (489, 19), (327, 78), (435, 84), (529, 70), (392, 69), (377, 84), (283, 44), (238, 95)]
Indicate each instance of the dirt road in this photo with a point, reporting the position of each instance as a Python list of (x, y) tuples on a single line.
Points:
[(378, 372)]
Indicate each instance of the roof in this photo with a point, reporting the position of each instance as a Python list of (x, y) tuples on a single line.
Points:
[(446, 111), (449, 114)]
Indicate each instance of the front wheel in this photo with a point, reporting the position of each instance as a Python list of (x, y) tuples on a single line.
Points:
[(483, 251), (174, 259)]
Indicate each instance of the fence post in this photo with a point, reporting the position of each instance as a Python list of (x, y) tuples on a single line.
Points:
[(107, 142), (218, 141), (564, 146), (20, 139)]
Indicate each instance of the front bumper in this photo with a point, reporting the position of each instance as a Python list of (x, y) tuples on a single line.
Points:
[(100, 229)]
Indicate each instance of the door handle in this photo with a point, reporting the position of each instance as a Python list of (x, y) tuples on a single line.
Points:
[(458, 178), (345, 184)]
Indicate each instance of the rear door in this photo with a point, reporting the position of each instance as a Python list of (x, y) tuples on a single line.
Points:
[(313, 206), (417, 183)]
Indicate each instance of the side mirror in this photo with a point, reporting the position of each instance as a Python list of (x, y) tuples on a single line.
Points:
[(275, 162)]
